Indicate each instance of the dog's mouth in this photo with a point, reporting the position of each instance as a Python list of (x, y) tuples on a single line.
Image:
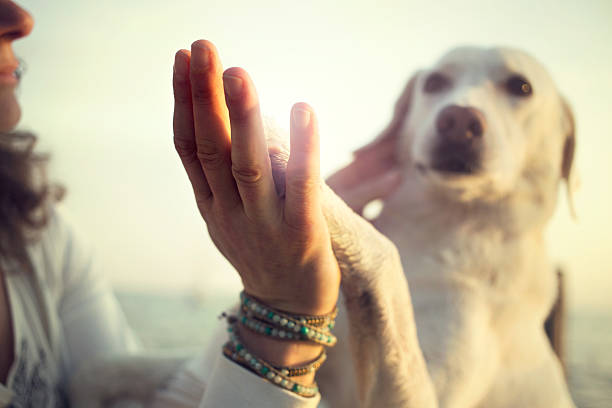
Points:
[(454, 166), (450, 159), (448, 167)]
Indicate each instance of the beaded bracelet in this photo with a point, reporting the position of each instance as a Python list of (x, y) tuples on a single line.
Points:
[(311, 367), (321, 324), (328, 320), (288, 371), (300, 332), (235, 351), (285, 323)]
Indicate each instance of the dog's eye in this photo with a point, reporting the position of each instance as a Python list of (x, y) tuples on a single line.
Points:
[(518, 86), (436, 82)]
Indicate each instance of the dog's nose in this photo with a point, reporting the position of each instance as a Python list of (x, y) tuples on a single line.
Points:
[(460, 124), (459, 143)]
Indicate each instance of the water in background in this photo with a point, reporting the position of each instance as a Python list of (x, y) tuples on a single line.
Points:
[(186, 323), (589, 355)]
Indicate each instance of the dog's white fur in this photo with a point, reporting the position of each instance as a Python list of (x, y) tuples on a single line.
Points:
[(469, 330)]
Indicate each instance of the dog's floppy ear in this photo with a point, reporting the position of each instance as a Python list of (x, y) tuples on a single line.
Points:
[(373, 173), (569, 148), (385, 145)]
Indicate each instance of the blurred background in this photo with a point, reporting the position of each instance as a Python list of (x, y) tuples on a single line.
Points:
[(98, 93)]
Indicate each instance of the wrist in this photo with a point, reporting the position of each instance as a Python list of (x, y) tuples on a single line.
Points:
[(307, 293), (300, 302)]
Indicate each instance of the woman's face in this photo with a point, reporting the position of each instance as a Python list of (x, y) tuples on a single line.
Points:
[(15, 23)]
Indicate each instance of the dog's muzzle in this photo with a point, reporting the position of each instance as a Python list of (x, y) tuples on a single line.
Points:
[(459, 142)]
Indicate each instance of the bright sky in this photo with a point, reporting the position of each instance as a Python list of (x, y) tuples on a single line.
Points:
[(98, 94)]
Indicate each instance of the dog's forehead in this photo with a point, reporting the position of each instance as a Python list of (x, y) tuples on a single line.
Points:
[(493, 62)]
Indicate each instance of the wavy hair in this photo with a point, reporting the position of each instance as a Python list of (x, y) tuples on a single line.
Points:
[(25, 194)]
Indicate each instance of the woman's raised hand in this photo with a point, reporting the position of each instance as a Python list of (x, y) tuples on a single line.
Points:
[(280, 246)]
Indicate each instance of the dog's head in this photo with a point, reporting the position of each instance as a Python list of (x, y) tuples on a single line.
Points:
[(480, 125)]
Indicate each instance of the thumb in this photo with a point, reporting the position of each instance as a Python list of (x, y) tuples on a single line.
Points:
[(303, 179)]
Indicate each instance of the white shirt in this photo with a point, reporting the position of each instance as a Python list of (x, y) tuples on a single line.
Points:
[(65, 313)]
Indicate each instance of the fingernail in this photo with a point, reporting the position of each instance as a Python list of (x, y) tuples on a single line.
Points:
[(301, 118), (232, 85), (203, 56), (180, 65)]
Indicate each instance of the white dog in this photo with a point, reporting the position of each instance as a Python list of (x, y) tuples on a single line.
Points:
[(482, 141), (468, 170)]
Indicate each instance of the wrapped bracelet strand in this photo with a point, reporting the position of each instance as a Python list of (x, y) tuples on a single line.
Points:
[(286, 323), (322, 321), (262, 319), (303, 332), (237, 352)]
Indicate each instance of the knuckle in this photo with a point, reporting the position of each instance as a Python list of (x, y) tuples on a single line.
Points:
[(210, 155), (309, 146), (202, 95), (182, 96), (241, 115), (301, 230), (184, 148), (221, 217), (180, 82), (182, 89), (298, 223), (189, 160), (247, 174), (210, 161), (302, 184), (203, 202)]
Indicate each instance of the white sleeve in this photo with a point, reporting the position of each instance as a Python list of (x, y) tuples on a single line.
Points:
[(211, 380), (92, 321), (233, 386)]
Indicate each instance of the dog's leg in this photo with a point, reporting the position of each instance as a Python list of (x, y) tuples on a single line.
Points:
[(390, 368)]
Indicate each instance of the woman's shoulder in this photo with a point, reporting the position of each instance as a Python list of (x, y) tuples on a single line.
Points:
[(60, 251), (61, 225), (60, 238)]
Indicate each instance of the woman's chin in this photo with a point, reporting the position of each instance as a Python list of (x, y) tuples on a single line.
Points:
[(10, 112)]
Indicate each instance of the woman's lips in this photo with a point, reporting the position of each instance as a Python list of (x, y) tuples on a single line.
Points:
[(8, 76)]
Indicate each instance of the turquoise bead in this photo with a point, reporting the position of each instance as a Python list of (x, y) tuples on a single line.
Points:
[(304, 330)]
